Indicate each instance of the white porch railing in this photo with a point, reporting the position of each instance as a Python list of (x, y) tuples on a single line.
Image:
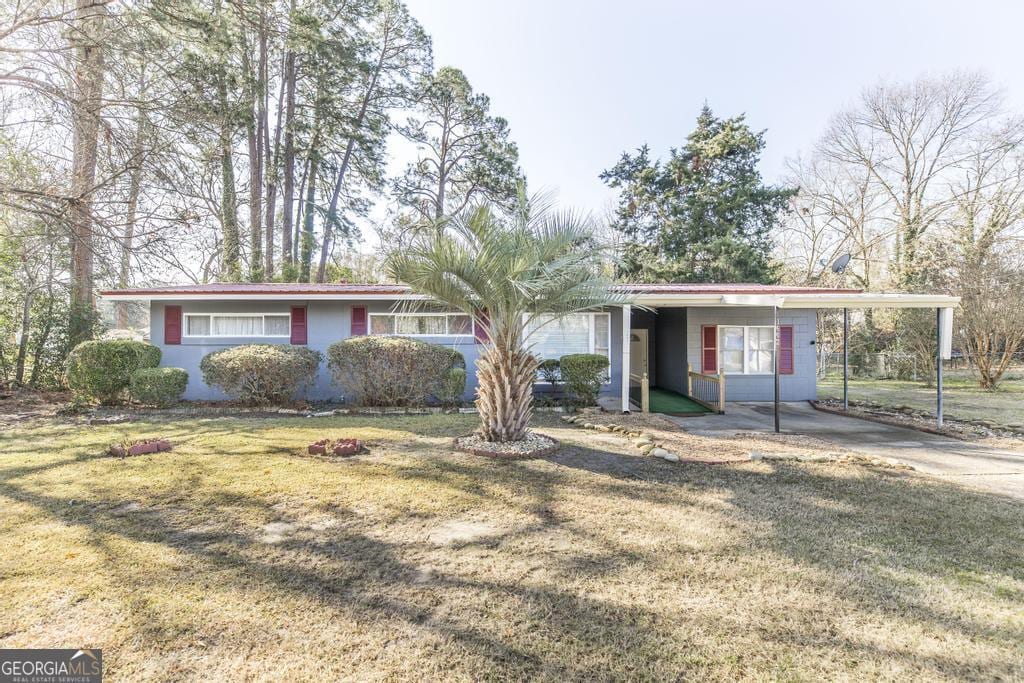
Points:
[(707, 390)]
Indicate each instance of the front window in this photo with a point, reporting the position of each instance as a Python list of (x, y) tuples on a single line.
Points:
[(421, 324), (577, 333), (238, 324), (747, 350)]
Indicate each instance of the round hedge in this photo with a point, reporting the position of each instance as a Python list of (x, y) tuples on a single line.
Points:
[(395, 371), (101, 370), (158, 386), (261, 373), (583, 374)]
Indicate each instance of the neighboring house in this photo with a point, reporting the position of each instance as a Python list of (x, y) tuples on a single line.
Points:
[(727, 329)]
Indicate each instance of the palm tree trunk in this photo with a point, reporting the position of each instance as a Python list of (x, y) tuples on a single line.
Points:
[(505, 393)]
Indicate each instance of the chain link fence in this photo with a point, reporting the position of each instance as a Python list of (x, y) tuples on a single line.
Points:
[(894, 365)]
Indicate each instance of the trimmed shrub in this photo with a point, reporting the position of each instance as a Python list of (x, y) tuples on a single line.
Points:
[(158, 386), (583, 374), (550, 371), (453, 387), (261, 373), (101, 370), (393, 371)]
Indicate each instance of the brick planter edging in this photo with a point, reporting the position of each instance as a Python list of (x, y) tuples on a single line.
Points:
[(499, 455), (342, 448), (119, 450)]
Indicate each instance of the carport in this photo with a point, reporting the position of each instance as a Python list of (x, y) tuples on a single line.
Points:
[(739, 300)]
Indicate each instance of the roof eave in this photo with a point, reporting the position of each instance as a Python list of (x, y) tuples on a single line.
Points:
[(129, 295), (794, 301)]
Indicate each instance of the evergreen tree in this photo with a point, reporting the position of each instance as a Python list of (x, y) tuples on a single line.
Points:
[(465, 153), (704, 215)]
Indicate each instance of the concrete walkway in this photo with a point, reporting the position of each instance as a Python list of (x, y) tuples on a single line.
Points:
[(990, 469)]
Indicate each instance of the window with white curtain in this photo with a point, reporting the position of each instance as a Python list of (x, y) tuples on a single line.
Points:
[(421, 324), (238, 324), (577, 333), (747, 350)]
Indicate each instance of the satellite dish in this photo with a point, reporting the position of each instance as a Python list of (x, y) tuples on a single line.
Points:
[(839, 265)]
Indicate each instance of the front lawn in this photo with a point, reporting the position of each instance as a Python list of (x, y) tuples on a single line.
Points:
[(962, 397), (234, 557)]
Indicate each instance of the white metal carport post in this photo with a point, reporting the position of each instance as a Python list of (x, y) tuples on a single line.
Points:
[(943, 351), (626, 332)]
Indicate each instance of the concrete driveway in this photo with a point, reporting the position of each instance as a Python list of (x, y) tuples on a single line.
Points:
[(991, 469)]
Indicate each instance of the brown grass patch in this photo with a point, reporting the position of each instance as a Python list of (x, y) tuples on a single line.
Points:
[(231, 558)]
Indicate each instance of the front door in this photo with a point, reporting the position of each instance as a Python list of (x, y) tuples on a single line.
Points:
[(638, 361)]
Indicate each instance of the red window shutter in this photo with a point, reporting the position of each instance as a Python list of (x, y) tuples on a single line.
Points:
[(300, 325), (480, 328), (786, 349), (709, 348), (172, 324), (358, 321)]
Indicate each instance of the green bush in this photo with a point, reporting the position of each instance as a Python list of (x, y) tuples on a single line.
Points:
[(101, 370), (158, 386), (261, 373), (453, 387), (583, 374), (393, 371), (550, 371)]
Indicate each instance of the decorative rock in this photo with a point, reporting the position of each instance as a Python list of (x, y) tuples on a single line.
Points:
[(756, 455), (109, 419), (602, 428), (658, 453), (647, 448), (588, 425), (671, 457)]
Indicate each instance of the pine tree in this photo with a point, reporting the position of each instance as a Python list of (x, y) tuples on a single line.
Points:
[(704, 215)]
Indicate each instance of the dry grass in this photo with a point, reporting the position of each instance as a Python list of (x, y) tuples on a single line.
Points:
[(722, 448), (230, 557)]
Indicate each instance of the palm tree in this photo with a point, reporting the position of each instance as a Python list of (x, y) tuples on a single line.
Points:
[(507, 272)]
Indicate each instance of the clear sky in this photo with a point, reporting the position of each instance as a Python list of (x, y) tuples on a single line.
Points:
[(580, 82)]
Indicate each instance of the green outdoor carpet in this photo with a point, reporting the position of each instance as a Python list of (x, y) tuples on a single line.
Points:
[(668, 402)]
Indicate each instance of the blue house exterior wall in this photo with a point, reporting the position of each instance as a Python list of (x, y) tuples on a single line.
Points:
[(675, 340), (328, 322), (802, 385)]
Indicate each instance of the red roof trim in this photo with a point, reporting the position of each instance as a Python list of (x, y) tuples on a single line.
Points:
[(260, 288)]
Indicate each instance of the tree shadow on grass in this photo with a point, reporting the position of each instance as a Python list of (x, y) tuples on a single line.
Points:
[(857, 533)]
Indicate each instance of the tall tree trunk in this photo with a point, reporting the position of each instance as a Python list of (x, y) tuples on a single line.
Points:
[(297, 237), (270, 154), (231, 267), (254, 137), (131, 215), (43, 338), (26, 320), (87, 40), (332, 210), (306, 254), (289, 159)]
